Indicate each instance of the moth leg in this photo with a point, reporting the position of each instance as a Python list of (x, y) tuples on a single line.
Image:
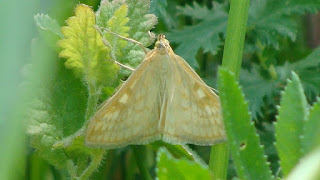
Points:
[(124, 66), (107, 44), (127, 39)]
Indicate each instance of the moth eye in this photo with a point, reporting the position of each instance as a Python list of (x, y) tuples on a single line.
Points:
[(158, 44)]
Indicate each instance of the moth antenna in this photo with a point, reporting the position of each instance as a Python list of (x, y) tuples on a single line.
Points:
[(107, 44), (127, 39), (125, 66), (104, 40), (122, 65)]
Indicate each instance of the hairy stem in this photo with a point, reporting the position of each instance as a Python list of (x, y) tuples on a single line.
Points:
[(94, 94), (95, 161)]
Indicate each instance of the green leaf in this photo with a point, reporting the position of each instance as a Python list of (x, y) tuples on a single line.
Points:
[(243, 141), (311, 61), (289, 126), (204, 35), (269, 19), (117, 24), (310, 139), (58, 110), (106, 11), (139, 23), (43, 21), (196, 11), (308, 70), (256, 88), (84, 50), (171, 168), (176, 150), (160, 8)]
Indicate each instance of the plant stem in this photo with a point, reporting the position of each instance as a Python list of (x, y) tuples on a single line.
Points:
[(219, 157), (236, 31), (232, 59), (96, 159), (94, 94), (139, 151)]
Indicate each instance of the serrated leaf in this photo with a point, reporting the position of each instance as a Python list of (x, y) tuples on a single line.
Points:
[(160, 9), (310, 138), (117, 24), (176, 150), (289, 127), (204, 35), (269, 19), (106, 11), (84, 49), (171, 168), (311, 61), (308, 70), (139, 23), (43, 21), (255, 87), (244, 143), (196, 11)]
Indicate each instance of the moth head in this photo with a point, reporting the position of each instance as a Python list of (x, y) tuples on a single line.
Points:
[(162, 44)]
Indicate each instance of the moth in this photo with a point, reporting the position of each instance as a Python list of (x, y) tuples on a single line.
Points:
[(164, 98)]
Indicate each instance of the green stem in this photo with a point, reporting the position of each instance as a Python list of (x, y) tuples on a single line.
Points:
[(94, 94), (219, 157), (236, 31), (97, 155), (96, 159), (232, 59), (71, 170), (139, 151)]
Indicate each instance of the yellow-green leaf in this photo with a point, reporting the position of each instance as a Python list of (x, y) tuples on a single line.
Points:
[(85, 51)]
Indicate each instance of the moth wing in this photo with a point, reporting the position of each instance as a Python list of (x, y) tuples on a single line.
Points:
[(131, 115), (193, 113)]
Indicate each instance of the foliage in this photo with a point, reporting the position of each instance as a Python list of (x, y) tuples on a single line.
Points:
[(292, 113), (171, 168), (269, 19), (203, 35), (68, 98), (84, 49), (71, 87), (293, 128), (245, 147)]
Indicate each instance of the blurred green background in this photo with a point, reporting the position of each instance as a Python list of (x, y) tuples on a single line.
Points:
[(270, 53)]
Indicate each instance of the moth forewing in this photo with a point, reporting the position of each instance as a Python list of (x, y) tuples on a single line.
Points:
[(131, 115), (164, 97)]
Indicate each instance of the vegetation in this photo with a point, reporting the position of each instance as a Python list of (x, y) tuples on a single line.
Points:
[(255, 53)]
